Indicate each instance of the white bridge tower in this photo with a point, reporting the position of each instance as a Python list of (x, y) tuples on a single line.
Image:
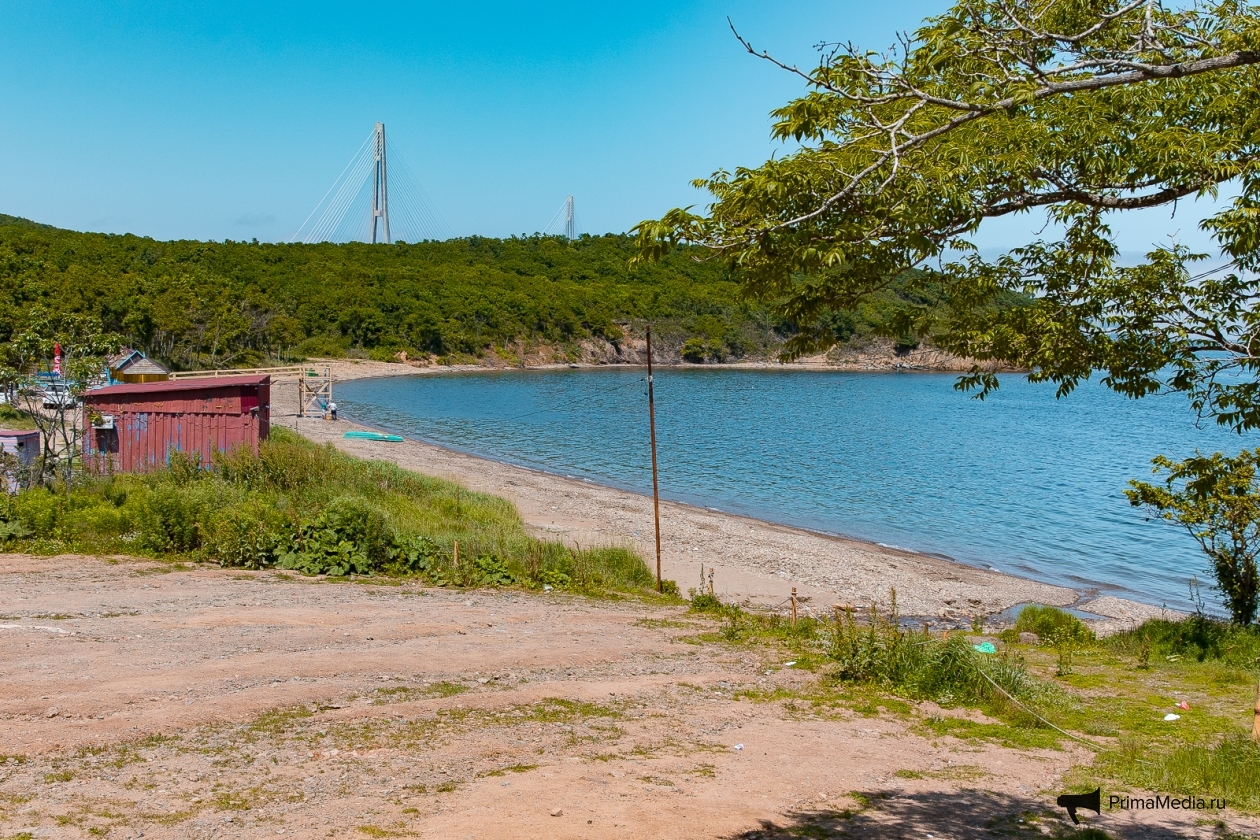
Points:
[(380, 185)]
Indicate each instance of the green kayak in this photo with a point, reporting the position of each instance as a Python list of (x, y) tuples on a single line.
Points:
[(374, 436)]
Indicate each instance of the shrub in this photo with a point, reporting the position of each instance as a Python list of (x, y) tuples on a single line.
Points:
[(414, 555), (488, 570), (703, 602), (252, 535), (347, 537), (40, 511), (695, 350), (914, 665), (172, 515), (1051, 623), (321, 347), (1195, 637)]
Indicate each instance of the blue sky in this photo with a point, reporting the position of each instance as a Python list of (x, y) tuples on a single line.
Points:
[(222, 120)]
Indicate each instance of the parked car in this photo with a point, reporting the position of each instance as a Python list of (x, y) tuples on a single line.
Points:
[(57, 395)]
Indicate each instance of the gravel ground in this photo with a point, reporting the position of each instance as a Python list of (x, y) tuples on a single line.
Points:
[(143, 699)]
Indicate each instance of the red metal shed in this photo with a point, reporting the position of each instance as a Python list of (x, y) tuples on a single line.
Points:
[(133, 428)]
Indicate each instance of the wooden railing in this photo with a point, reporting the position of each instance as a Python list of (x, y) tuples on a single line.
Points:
[(291, 370)]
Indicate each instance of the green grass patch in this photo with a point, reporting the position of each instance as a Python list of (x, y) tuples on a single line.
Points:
[(1049, 623), (307, 508), (1197, 638), (402, 693), (277, 720), (11, 418), (1226, 767), (512, 768)]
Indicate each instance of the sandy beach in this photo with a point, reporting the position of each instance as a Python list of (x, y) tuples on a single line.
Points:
[(755, 562)]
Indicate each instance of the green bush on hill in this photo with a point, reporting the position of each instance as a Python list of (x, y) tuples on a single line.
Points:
[(311, 509)]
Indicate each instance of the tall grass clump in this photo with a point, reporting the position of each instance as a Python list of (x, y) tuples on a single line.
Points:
[(1228, 768), (1197, 637), (309, 508), (918, 666), (1051, 623)]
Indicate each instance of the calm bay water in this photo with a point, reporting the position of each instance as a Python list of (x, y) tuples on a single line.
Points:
[(1021, 482)]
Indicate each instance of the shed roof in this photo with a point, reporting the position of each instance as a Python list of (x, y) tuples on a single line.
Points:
[(9, 433), (123, 356), (141, 365), (181, 385)]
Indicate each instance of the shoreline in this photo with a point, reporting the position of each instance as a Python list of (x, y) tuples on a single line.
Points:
[(757, 562)]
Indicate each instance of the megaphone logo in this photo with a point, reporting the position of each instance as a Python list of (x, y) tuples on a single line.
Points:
[(1072, 801)]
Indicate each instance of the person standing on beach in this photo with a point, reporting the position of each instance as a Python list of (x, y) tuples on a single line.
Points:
[(332, 411)]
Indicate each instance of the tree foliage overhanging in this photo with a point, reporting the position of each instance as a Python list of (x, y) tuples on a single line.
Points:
[(1083, 108)]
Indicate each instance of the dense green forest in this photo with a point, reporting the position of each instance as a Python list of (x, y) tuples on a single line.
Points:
[(238, 304)]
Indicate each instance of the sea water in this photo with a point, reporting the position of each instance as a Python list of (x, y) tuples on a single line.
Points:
[(1021, 482)]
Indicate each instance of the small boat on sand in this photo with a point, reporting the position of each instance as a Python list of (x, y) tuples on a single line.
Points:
[(373, 436)]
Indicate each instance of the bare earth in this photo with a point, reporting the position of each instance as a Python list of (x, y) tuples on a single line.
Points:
[(139, 699)]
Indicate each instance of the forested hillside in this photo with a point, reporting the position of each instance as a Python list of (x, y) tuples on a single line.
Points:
[(235, 304)]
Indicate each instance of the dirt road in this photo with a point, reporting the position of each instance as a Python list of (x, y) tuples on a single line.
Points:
[(141, 699)]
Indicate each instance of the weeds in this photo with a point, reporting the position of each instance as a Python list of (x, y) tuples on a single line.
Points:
[(918, 666), (311, 509), (1048, 622), (1228, 769), (1197, 638)]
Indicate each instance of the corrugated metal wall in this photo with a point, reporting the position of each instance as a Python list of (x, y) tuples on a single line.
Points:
[(148, 426)]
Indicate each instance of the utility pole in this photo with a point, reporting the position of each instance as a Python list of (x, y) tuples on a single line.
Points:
[(380, 184), (656, 492), (570, 229)]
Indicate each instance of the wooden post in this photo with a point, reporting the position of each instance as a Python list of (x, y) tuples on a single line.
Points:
[(710, 581), (457, 554), (656, 492), (793, 606), (701, 589), (1255, 719)]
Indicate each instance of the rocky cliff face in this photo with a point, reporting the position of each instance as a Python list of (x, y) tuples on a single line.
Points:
[(871, 354)]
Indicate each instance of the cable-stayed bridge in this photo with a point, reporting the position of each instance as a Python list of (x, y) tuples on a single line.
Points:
[(376, 198), (564, 222)]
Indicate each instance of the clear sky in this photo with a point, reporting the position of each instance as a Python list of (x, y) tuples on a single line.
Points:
[(230, 120)]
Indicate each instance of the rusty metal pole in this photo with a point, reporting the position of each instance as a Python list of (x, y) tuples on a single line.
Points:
[(656, 493)]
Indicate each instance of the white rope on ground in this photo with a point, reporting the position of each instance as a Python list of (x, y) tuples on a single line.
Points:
[(1008, 696)]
